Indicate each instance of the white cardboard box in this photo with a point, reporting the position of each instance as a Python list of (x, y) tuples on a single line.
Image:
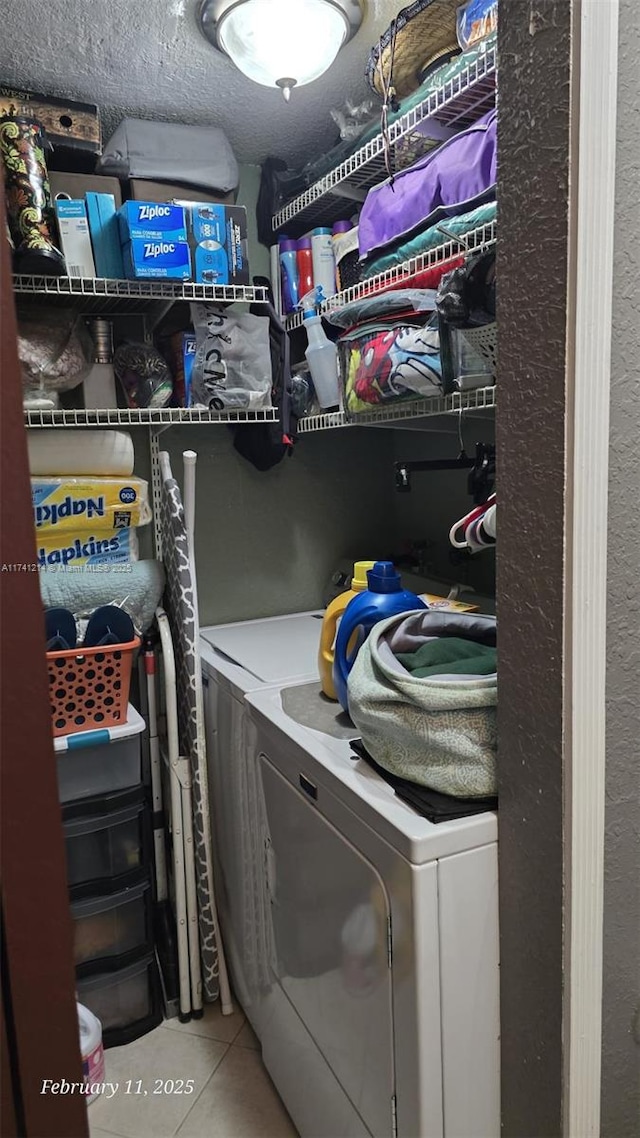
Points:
[(75, 237)]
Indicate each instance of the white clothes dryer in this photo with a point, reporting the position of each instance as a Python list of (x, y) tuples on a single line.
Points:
[(375, 986)]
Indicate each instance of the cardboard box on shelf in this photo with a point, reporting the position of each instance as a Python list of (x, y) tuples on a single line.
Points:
[(69, 125), (148, 259), (152, 221), (218, 238), (105, 235), (74, 237), (143, 189), (77, 185)]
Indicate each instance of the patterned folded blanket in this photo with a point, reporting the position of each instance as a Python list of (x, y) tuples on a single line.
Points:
[(136, 587)]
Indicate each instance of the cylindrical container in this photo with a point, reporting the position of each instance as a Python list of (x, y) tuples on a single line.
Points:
[(276, 278), (100, 385), (384, 597), (91, 1049), (338, 232), (347, 253), (305, 266), (324, 262), (29, 207), (330, 622), (289, 269)]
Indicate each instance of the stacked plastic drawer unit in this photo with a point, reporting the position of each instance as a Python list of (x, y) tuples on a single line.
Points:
[(108, 842)]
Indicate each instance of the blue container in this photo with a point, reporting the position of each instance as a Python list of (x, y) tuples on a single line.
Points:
[(290, 279), (385, 597)]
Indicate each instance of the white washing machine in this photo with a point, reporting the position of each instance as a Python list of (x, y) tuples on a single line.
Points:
[(375, 991), (238, 658)]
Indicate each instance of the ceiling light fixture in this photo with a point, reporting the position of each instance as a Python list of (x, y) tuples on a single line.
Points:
[(281, 43)]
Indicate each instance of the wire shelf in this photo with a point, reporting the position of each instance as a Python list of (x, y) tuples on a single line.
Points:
[(101, 295), (451, 108), (479, 399), (474, 241), (143, 417)]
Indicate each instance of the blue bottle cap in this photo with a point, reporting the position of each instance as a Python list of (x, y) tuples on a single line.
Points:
[(384, 578)]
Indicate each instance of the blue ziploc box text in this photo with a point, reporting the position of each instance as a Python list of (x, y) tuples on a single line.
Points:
[(149, 259), (158, 221), (188, 357), (105, 235)]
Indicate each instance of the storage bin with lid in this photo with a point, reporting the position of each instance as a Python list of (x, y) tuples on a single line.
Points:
[(127, 1001), (99, 762), (110, 929), (106, 836)]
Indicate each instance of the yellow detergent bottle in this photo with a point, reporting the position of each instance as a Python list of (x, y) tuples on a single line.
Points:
[(330, 625)]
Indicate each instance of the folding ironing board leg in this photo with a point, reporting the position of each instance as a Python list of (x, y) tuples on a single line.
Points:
[(179, 867), (192, 897)]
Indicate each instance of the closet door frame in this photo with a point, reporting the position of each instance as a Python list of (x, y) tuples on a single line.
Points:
[(557, 139), (40, 1036)]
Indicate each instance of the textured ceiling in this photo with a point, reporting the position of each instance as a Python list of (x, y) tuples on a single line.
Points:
[(148, 58)]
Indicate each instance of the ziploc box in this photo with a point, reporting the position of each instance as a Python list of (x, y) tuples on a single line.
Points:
[(188, 356), (147, 258), (63, 505), (152, 221), (105, 235), (218, 238)]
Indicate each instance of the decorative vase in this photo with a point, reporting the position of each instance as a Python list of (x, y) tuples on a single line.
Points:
[(29, 208)]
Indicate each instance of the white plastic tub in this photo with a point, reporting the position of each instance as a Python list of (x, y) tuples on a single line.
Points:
[(98, 762)]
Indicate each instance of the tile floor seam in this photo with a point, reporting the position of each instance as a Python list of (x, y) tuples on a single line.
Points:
[(205, 1085), (184, 1030)]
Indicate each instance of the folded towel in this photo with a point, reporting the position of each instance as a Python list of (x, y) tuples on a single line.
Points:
[(137, 588), (450, 655)]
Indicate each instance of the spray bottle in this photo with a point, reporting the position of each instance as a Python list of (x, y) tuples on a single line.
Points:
[(321, 354)]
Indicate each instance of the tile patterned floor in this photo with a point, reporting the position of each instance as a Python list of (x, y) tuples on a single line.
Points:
[(233, 1096)]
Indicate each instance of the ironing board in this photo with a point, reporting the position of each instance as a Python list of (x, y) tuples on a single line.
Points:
[(183, 619)]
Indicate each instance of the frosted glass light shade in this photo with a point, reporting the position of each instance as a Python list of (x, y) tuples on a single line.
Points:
[(283, 42)]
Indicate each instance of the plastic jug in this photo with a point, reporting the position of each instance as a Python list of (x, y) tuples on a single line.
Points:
[(92, 1051), (330, 625), (383, 598)]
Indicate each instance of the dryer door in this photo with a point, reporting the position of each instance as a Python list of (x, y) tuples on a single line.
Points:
[(330, 920)]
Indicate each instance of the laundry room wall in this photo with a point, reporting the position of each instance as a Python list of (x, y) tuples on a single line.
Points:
[(424, 516), (266, 543), (621, 995)]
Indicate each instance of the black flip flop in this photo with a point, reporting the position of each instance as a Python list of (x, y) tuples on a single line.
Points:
[(108, 625), (60, 630)]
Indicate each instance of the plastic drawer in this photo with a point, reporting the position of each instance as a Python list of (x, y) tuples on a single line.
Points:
[(105, 837), (99, 762), (112, 929), (127, 1002)]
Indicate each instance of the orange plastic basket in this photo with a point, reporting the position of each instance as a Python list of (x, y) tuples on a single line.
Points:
[(89, 687)]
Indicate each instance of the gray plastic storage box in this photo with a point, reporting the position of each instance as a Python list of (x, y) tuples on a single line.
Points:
[(105, 837), (98, 762), (112, 927), (127, 1002)]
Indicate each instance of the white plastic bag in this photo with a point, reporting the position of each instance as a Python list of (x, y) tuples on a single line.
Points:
[(232, 365)]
